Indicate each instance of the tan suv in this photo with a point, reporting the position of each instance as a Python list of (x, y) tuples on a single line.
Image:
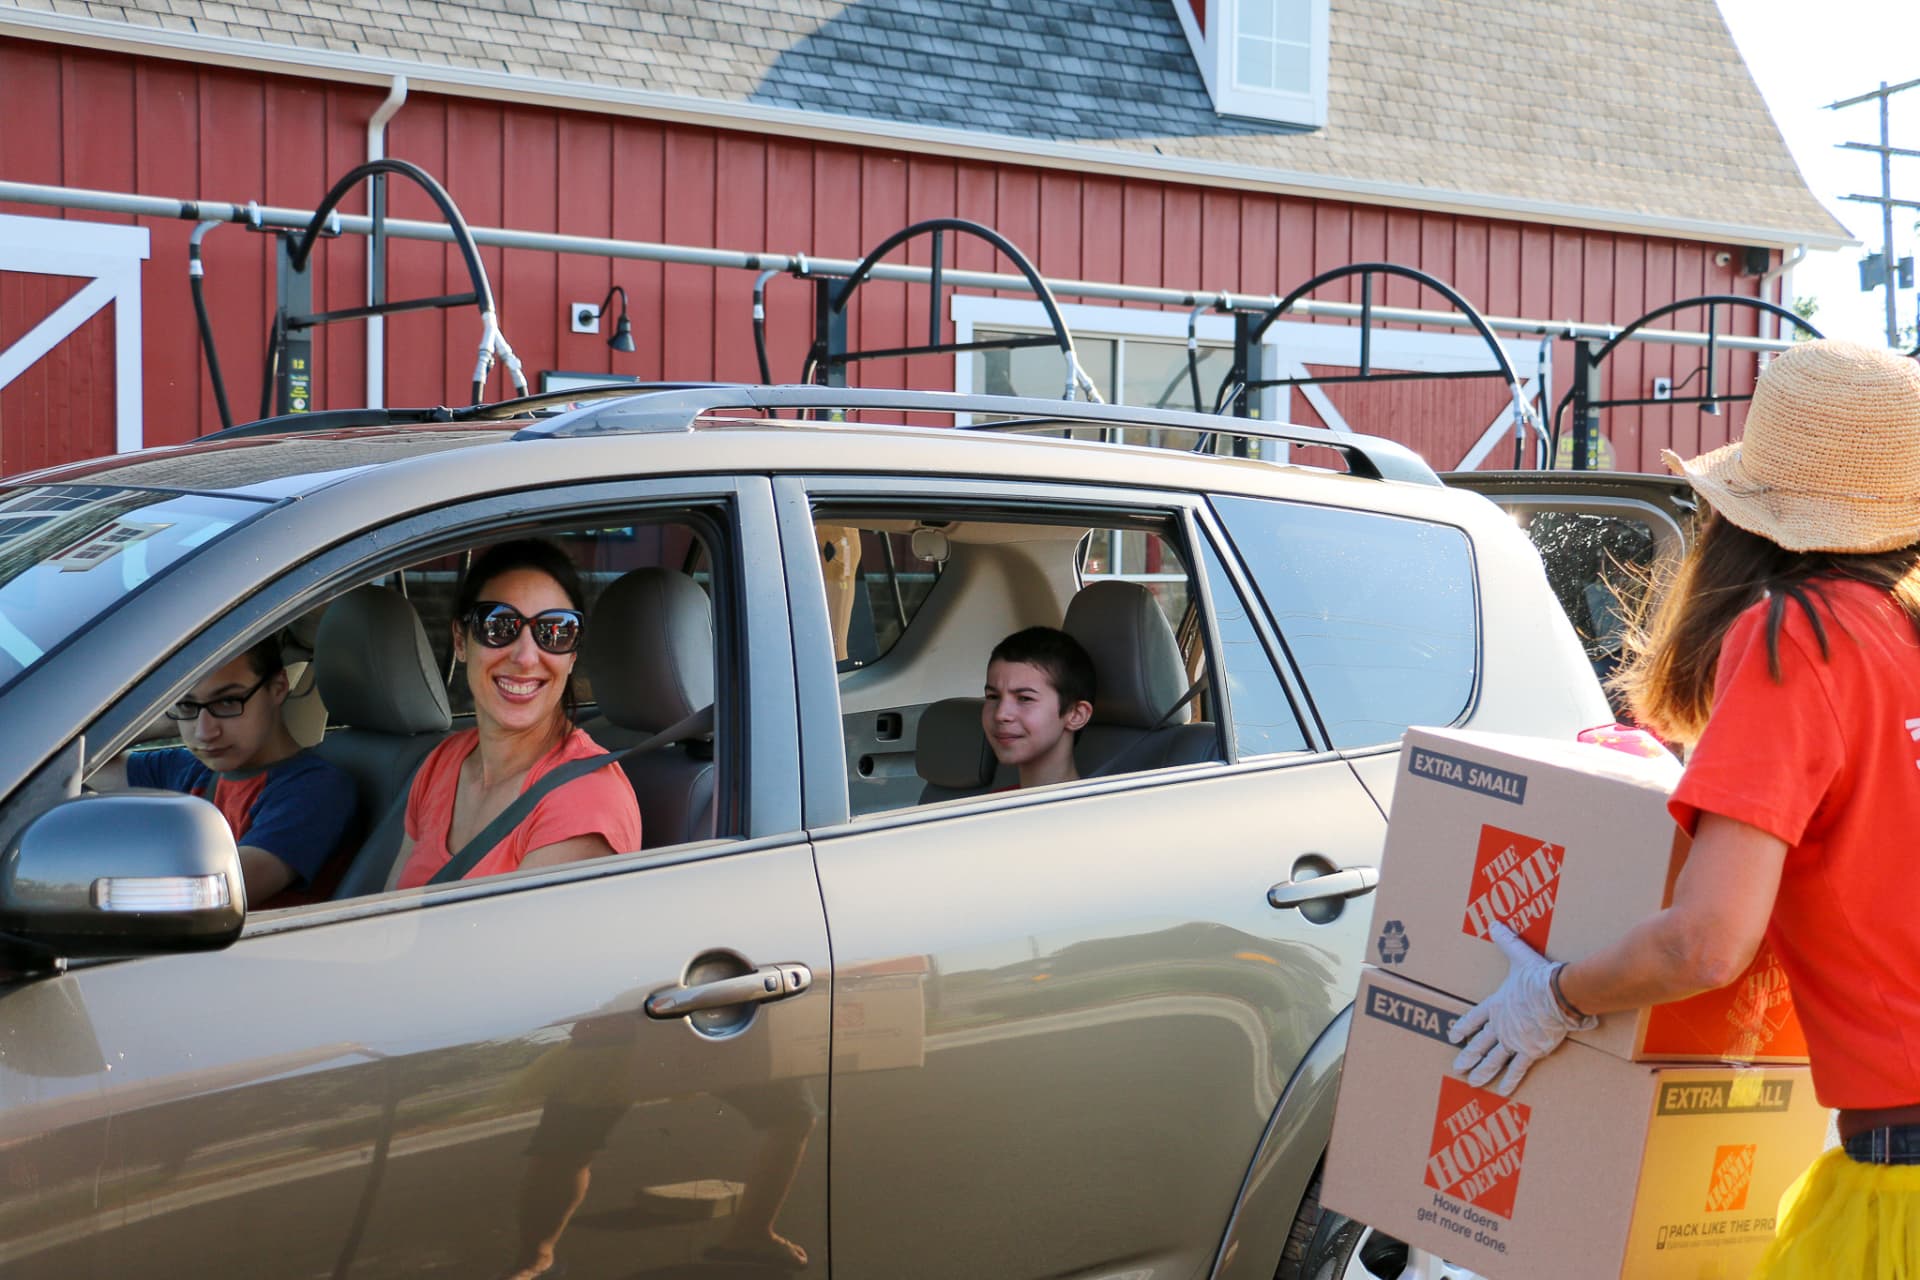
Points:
[(854, 1006)]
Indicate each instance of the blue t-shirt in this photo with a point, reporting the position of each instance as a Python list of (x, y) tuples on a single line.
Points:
[(297, 810)]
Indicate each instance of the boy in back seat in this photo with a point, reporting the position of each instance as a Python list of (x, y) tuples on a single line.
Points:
[(1039, 695)]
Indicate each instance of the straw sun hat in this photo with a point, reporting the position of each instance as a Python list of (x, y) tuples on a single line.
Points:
[(1831, 456)]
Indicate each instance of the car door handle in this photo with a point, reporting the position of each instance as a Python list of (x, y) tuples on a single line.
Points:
[(1350, 883), (769, 982)]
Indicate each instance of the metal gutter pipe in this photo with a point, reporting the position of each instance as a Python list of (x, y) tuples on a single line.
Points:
[(808, 266), (376, 267)]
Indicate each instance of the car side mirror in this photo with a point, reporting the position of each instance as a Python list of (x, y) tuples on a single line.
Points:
[(132, 873)]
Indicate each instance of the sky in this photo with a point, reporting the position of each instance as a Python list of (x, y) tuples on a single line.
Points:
[(1804, 57)]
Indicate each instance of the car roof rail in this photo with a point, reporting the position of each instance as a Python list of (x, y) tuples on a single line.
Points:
[(678, 410)]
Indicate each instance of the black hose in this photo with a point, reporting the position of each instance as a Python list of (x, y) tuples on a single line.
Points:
[(196, 272), (276, 338)]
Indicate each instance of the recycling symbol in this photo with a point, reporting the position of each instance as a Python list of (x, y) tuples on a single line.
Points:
[(1393, 945)]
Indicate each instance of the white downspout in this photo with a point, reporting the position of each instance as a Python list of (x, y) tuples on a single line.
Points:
[(377, 325)]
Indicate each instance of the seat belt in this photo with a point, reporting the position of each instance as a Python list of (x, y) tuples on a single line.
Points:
[(1133, 748), (489, 836)]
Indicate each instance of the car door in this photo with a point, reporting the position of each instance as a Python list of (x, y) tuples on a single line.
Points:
[(428, 1083), (1063, 1019)]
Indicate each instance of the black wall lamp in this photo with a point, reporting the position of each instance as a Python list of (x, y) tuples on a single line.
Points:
[(586, 318)]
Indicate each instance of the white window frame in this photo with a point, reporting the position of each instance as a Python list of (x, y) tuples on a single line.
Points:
[(108, 257), (1216, 50), (1289, 345)]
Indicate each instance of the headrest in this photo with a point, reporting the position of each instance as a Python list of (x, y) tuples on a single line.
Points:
[(951, 750), (374, 667), (649, 650), (1138, 675)]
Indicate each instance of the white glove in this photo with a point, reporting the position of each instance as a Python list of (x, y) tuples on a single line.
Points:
[(1517, 1025)]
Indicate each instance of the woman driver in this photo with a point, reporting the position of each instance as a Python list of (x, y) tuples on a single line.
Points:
[(517, 629)]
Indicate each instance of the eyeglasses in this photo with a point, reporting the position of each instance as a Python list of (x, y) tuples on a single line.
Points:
[(497, 625), (219, 708)]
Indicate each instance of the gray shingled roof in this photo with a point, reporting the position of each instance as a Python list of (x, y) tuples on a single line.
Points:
[(1641, 106)]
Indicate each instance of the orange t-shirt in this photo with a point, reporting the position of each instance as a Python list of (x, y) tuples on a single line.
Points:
[(602, 802), (1828, 760)]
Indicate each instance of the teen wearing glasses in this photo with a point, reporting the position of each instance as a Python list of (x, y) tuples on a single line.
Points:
[(518, 623), (288, 808)]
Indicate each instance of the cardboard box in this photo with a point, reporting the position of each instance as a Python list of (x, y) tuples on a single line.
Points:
[(1571, 845), (1596, 1167)]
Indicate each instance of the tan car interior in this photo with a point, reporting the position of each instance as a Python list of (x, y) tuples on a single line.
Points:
[(912, 716)]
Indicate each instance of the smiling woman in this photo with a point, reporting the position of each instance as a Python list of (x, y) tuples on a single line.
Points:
[(517, 628)]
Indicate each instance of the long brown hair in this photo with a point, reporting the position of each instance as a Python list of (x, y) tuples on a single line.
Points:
[(1673, 646)]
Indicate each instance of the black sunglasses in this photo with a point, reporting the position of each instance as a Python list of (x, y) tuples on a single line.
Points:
[(219, 708), (497, 625)]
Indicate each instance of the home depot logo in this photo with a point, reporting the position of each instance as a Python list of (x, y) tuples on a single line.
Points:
[(1515, 880), (1479, 1139), (1732, 1175), (1762, 1003)]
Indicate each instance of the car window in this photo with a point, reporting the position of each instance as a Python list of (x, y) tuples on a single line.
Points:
[(656, 631), (1262, 715), (1598, 565), (1378, 612), (70, 552), (912, 720)]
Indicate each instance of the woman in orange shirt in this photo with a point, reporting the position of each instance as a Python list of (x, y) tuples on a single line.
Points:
[(518, 623), (1785, 654)]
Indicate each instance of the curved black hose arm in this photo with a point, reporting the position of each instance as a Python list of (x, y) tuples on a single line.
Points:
[(1713, 302), (823, 354)]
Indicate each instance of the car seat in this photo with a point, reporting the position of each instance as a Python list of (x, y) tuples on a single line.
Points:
[(303, 712), (379, 681), (1139, 680), (951, 753), (649, 656)]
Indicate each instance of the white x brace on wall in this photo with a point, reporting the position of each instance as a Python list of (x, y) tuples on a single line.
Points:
[(108, 257)]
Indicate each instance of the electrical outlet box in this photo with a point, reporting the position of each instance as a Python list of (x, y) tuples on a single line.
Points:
[(1663, 388), (585, 316)]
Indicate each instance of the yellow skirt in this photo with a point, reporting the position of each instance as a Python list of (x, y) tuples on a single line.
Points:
[(1845, 1219)]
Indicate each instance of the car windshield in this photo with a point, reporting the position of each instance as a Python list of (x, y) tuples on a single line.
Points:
[(71, 552)]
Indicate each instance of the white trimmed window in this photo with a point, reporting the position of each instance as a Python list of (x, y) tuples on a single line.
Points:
[(1139, 357), (1263, 59)]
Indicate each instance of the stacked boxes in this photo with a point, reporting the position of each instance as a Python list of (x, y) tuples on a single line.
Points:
[(1656, 1144)]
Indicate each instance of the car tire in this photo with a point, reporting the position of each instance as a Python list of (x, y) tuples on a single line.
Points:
[(1324, 1245)]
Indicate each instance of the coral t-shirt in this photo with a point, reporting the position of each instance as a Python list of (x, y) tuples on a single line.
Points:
[(600, 803), (1828, 760)]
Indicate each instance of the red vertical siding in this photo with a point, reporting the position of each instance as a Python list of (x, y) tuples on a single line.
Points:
[(170, 128)]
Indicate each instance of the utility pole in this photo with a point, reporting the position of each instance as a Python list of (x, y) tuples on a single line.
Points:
[(1887, 151)]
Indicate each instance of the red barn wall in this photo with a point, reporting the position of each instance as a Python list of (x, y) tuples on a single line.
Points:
[(123, 123)]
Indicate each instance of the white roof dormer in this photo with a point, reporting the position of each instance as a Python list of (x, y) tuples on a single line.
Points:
[(1261, 59)]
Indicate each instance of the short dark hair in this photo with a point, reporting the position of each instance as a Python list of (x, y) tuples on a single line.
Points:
[(539, 555), (1057, 654), (264, 656)]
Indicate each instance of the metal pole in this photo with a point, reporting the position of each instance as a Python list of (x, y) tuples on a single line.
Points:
[(1886, 217), (809, 267)]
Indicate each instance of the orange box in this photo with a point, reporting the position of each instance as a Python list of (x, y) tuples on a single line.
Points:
[(1569, 844)]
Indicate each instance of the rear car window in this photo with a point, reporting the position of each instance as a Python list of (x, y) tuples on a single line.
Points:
[(70, 553), (1379, 612)]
